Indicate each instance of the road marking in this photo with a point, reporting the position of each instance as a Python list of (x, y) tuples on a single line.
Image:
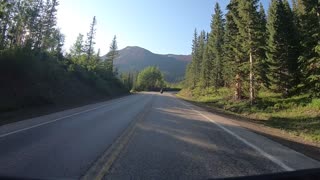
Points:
[(61, 118), (102, 165), (265, 154)]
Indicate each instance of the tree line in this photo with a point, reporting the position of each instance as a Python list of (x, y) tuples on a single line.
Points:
[(31, 25), (247, 50), (35, 70)]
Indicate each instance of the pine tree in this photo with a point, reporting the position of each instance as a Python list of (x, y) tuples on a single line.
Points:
[(308, 14), (202, 43), (188, 76), (78, 47), (205, 69), (215, 44), (248, 24), (38, 24), (275, 55), (261, 65), (298, 11), (57, 42), (49, 22), (98, 54), (293, 47), (89, 45), (113, 53), (231, 45), (195, 59), (201, 50), (235, 41), (281, 54), (193, 68)]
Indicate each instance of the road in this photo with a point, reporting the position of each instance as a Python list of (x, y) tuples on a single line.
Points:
[(142, 136)]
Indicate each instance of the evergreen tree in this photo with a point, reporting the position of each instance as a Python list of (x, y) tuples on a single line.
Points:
[(195, 59), (201, 51), (308, 13), (205, 69), (113, 53), (98, 54), (49, 22), (188, 79), (298, 11), (248, 24), (215, 45), (37, 26), (261, 65), (235, 41), (281, 56), (78, 47), (231, 45), (293, 47), (276, 45), (57, 42), (193, 69), (89, 45)]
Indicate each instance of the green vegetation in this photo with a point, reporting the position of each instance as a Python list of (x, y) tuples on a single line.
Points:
[(247, 52), (149, 79), (265, 68), (34, 71), (299, 115)]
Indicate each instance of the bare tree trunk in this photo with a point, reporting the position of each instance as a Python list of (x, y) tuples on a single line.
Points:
[(251, 79), (4, 29), (237, 94), (251, 70)]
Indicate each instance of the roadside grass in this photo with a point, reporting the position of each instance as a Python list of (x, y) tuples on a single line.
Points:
[(298, 115)]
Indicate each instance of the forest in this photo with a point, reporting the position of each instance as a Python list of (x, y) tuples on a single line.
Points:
[(35, 70), (262, 65)]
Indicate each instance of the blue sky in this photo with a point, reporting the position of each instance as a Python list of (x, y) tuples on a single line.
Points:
[(161, 26)]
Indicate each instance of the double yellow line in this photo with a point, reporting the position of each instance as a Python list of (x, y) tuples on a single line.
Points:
[(103, 164)]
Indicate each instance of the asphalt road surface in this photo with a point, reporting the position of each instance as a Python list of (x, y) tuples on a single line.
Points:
[(142, 136)]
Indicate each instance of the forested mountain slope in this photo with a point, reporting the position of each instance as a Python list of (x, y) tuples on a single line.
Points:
[(133, 58)]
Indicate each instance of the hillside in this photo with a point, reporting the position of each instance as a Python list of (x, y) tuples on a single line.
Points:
[(34, 80), (133, 58)]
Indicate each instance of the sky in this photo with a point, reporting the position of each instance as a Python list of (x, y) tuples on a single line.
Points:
[(161, 26)]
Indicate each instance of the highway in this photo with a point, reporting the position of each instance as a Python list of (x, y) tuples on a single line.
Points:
[(141, 136)]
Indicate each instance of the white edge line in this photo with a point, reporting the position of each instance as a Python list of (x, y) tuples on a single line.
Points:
[(265, 154), (61, 118)]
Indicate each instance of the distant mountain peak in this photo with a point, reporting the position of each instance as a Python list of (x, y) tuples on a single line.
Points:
[(134, 48), (135, 58)]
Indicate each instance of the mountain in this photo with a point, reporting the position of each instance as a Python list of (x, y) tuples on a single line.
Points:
[(133, 58)]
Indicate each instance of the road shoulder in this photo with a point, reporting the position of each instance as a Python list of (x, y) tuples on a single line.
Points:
[(291, 141), (32, 112)]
